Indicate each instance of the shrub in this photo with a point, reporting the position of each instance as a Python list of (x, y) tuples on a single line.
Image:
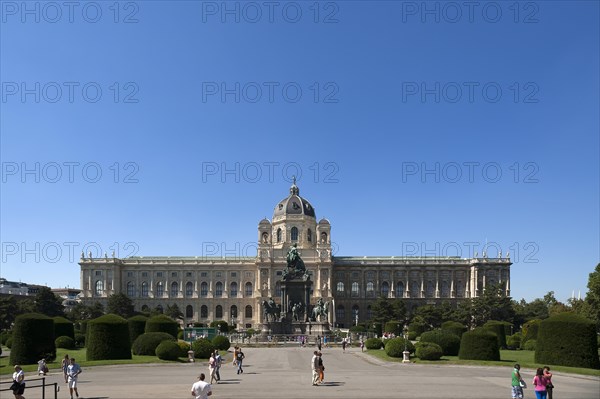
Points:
[(479, 344), (180, 334), (202, 348), (514, 341), (63, 327), (394, 327), (108, 338), (358, 329), (497, 327), (4, 337), (530, 331), (220, 325), (162, 323), (429, 350), (184, 347), (168, 350), (395, 346), (32, 339), (146, 343), (530, 345), (454, 327), (198, 324), (448, 341), (9, 342), (221, 343), (80, 339), (374, 343), (83, 326), (65, 342), (418, 327), (567, 339), (412, 335), (137, 326)]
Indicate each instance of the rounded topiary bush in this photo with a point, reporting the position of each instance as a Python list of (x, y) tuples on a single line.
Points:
[(4, 337), (454, 327), (429, 351), (412, 335), (184, 347), (137, 326), (202, 348), (32, 339), (80, 339), (530, 345), (374, 343), (147, 343), (168, 350), (448, 341), (530, 331), (65, 342), (567, 339), (514, 341), (418, 327), (395, 346), (479, 344), (162, 323), (498, 328), (221, 343), (108, 338), (63, 327), (180, 334)]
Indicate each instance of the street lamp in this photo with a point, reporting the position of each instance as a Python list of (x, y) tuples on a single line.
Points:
[(406, 353)]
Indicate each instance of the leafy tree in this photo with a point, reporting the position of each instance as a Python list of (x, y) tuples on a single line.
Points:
[(174, 312), (47, 303), (593, 296), (492, 305), (431, 314), (85, 312), (8, 312), (121, 305), (382, 310)]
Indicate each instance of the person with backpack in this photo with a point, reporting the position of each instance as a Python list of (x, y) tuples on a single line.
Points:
[(239, 359)]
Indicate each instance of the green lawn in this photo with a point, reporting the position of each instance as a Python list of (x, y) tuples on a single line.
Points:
[(507, 359)]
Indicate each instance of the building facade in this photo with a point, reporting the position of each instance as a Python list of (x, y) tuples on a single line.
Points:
[(234, 288)]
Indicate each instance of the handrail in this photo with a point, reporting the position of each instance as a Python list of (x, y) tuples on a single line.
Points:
[(43, 385)]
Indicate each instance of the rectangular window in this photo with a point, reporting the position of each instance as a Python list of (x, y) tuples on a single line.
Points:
[(218, 274), (248, 274), (173, 274), (98, 272), (129, 274), (188, 274), (233, 274), (279, 273), (144, 274), (159, 274), (203, 274), (355, 275)]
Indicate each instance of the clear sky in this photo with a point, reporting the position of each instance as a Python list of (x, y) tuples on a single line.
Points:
[(159, 128)]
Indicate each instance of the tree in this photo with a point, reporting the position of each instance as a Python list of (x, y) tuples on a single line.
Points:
[(121, 305), (174, 312), (382, 310), (47, 303), (492, 305), (8, 312), (432, 315), (593, 295), (84, 312), (399, 310)]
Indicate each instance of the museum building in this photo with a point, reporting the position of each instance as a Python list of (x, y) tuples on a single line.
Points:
[(234, 289)]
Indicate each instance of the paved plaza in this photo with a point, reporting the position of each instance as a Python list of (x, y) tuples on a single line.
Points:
[(285, 373)]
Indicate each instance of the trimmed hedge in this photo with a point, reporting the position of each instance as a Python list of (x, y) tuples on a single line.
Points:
[(221, 343), (497, 327), (137, 326), (32, 339), (63, 327), (395, 346), (448, 341), (530, 345), (454, 327), (374, 343), (147, 343), (108, 338), (80, 339), (168, 350), (514, 341), (162, 323), (4, 336), (567, 339), (9, 342), (530, 331), (429, 351), (65, 342), (479, 344), (202, 348)]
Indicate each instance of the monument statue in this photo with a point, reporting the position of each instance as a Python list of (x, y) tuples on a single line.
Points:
[(271, 310), (295, 265), (320, 310)]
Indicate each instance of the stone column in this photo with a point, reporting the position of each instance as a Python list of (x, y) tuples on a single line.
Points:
[(437, 284)]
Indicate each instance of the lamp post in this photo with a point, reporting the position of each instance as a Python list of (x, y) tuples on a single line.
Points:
[(406, 353)]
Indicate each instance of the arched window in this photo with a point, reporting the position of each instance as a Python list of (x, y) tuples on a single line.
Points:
[(204, 289), (174, 289), (159, 309), (204, 312), (130, 289), (340, 314), (430, 289), (399, 289), (385, 289), (233, 311), (265, 237), (415, 287), (219, 312), (355, 289), (189, 311), (445, 289), (294, 233), (145, 289), (340, 287), (460, 289), (248, 312), (323, 237), (233, 289), (160, 289), (219, 289), (189, 289), (248, 289), (278, 288), (369, 312), (145, 308), (309, 235), (99, 288), (278, 235)]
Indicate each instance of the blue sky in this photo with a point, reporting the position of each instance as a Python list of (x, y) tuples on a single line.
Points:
[(172, 128)]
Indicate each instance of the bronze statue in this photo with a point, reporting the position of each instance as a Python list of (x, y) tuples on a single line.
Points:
[(320, 310), (295, 265), (271, 310)]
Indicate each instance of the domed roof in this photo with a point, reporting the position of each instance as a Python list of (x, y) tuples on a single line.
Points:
[(294, 204)]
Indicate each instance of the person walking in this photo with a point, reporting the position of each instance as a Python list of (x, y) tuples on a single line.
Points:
[(64, 365), (539, 384), (362, 345), (321, 368), (73, 371), (212, 367), (517, 390), (201, 389), (314, 365), (240, 359), (235, 352), (344, 345), (18, 386), (550, 385), (218, 363)]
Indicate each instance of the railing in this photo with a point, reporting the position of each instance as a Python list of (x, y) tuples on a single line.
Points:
[(28, 386)]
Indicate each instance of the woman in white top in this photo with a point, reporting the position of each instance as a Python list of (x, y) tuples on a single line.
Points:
[(19, 379)]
